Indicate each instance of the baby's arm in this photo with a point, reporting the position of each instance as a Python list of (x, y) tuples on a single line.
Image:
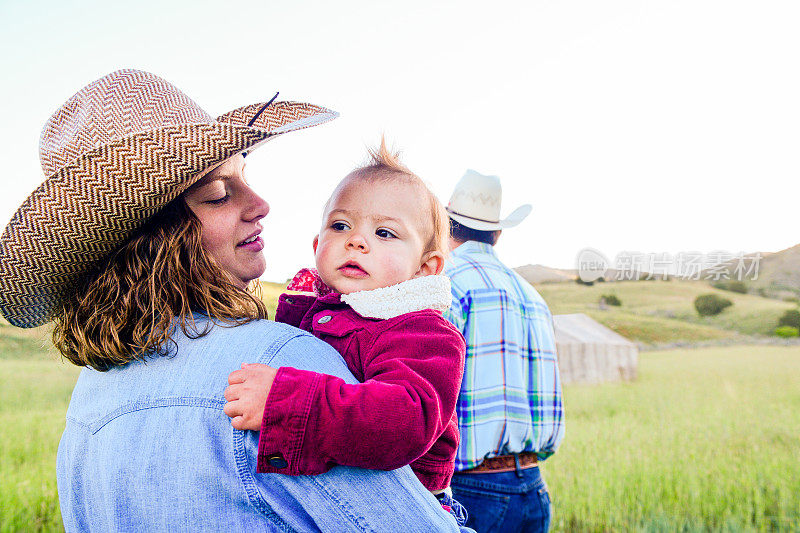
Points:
[(249, 387), (412, 376)]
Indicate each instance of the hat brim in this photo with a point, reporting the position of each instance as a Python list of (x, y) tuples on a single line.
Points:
[(516, 216), (87, 209)]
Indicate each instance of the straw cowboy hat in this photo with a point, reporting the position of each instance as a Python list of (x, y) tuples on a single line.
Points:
[(113, 155), (475, 203)]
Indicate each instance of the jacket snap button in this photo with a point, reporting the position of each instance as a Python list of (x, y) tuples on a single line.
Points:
[(325, 319), (289, 301), (276, 460)]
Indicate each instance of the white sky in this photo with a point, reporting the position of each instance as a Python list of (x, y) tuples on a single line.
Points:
[(647, 126)]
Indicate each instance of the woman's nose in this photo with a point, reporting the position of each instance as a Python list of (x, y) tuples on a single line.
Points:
[(358, 242), (257, 207)]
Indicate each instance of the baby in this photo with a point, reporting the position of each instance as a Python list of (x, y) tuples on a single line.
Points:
[(377, 299)]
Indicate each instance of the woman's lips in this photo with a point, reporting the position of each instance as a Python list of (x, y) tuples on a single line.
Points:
[(352, 270), (255, 245)]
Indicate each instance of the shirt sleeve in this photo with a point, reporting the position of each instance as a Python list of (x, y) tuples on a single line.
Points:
[(412, 377)]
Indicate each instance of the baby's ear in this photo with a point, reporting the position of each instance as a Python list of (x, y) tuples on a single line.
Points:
[(316, 242), (432, 264)]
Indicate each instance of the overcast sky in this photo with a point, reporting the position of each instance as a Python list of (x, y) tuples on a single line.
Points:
[(656, 127)]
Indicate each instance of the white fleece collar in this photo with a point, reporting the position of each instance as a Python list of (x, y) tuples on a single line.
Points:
[(416, 294)]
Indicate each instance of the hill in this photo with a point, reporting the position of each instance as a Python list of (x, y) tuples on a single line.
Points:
[(657, 312), (778, 274), (543, 274)]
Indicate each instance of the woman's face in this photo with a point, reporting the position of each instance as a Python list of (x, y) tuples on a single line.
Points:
[(230, 211)]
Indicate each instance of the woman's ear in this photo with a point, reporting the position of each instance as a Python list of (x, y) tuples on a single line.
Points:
[(316, 242), (432, 264)]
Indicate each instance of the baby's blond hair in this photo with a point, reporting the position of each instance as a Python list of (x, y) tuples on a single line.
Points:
[(384, 165)]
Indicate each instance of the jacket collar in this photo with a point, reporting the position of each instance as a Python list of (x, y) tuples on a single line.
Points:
[(417, 294)]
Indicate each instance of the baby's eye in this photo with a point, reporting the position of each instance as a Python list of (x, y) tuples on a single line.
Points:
[(340, 226), (385, 233), (219, 200)]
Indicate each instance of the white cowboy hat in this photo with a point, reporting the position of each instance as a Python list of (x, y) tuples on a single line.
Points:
[(113, 155), (475, 203)]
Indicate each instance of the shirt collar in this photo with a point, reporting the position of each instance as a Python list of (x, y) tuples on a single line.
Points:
[(474, 247)]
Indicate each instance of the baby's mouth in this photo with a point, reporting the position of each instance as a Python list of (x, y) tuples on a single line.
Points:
[(351, 269)]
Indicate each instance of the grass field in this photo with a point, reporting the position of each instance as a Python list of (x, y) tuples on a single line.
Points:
[(705, 440), (656, 311)]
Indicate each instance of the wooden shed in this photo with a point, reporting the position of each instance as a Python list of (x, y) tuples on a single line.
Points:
[(589, 352)]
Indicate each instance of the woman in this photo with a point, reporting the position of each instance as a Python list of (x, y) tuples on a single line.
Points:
[(141, 245)]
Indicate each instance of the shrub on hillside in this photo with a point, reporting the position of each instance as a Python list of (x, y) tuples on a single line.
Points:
[(787, 332), (731, 285), (790, 318), (611, 299), (711, 304)]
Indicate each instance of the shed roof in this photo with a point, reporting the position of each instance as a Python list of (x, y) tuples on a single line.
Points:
[(581, 328)]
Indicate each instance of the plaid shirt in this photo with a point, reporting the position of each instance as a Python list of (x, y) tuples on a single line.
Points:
[(510, 397)]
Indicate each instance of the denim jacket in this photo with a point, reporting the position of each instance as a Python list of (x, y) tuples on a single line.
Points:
[(147, 447)]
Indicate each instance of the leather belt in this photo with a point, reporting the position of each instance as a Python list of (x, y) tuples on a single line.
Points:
[(505, 463)]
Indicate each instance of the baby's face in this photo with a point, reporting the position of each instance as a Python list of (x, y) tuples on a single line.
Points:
[(371, 236)]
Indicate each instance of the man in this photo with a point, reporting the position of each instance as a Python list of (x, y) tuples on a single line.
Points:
[(509, 410)]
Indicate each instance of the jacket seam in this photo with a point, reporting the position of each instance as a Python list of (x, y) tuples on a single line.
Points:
[(271, 352), (249, 484), (245, 475), (176, 401), (347, 510)]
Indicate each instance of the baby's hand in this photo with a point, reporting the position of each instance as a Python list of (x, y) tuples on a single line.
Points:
[(247, 393)]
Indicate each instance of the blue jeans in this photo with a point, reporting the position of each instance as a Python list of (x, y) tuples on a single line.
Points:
[(452, 506), (504, 502)]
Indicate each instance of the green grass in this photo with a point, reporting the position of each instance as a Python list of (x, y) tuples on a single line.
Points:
[(269, 293), (30, 344), (663, 311), (34, 395), (705, 440)]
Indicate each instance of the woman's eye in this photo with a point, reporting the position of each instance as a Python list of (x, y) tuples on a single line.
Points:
[(219, 200), (385, 234), (340, 226)]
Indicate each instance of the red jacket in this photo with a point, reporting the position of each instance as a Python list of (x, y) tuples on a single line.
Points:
[(403, 411)]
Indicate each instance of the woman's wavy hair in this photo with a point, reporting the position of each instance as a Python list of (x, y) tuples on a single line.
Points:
[(131, 306)]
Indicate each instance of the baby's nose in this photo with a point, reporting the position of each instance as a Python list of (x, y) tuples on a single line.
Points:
[(357, 241)]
